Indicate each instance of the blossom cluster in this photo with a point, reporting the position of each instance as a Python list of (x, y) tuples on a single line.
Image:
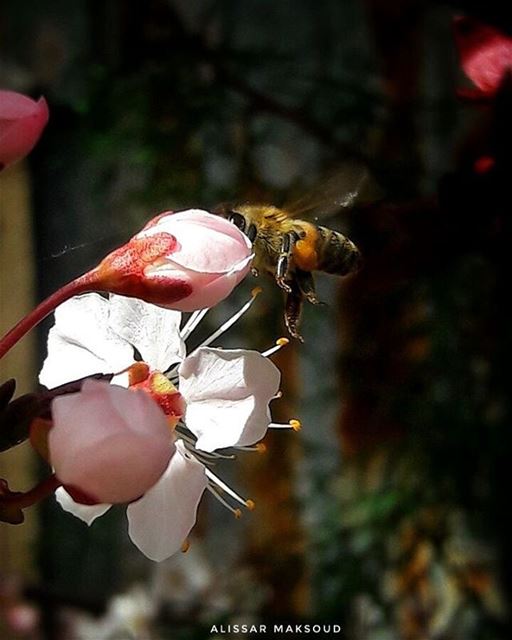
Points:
[(130, 418), (157, 428)]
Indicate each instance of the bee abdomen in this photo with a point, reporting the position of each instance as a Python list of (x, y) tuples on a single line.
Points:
[(337, 254)]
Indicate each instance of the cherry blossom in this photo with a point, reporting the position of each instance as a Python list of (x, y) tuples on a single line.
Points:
[(226, 396)]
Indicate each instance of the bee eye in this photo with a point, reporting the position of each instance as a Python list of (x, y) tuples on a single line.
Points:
[(251, 232), (237, 219)]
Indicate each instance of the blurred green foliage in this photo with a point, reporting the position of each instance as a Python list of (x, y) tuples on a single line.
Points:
[(163, 105)]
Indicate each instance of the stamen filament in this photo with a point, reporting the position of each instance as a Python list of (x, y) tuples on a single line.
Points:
[(192, 323), (224, 487), (292, 424), (236, 512), (229, 323), (214, 455), (280, 343), (257, 447)]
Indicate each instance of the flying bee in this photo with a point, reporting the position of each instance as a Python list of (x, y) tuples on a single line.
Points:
[(291, 249)]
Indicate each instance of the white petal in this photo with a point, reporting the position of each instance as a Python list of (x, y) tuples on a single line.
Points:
[(154, 331), (87, 513), (160, 521), (82, 343), (227, 394)]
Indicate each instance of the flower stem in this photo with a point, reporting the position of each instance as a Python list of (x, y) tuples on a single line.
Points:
[(42, 490), (79, 285)]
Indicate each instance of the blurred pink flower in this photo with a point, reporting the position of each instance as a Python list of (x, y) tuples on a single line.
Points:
[(22, 121), (109, 443), (226, 394), (186, 261), (485, 53)]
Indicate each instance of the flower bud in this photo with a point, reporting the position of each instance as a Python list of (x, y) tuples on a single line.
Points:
[(185, 261), (108, 443), (21, 122)]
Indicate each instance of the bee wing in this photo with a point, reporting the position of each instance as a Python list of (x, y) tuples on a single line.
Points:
[(340, 190)]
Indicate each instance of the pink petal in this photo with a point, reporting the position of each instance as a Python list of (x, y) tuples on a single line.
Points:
[(111, 443), (174, 259), (485, 53), (207, 243), (22, 121), (162, 519), (208, 289)]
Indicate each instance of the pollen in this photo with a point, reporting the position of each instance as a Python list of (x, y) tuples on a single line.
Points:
[(138, 372), (295, 425), (250, 504), (279, 344)]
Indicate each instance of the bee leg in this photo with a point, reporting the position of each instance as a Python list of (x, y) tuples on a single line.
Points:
[(292, 311), (283, 261), (306, 284)]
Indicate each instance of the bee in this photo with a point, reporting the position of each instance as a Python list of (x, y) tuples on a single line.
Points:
[(290, 250)]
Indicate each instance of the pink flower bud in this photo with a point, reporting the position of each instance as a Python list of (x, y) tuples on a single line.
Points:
[(109, 443), (185, 261), (21, 122)]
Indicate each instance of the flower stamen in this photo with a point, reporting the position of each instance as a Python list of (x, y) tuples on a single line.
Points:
[(229, 323), (215, 492), (292, 424), (192, 323), (280, 343), (224, 487)]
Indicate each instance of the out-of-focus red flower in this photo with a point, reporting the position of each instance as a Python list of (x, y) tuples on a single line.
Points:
[(485, 54), (109, 444), (22, 121)]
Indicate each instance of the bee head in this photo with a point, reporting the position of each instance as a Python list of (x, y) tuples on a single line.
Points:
[(228, 211)]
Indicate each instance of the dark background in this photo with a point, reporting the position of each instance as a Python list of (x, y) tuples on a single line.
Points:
[(387, 513)]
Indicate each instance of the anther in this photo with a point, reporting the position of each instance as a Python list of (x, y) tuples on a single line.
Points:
[(261, 447), (295, 425), (280, 343), (237, 513), (185, 546), (250, 504), (256, 291)]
